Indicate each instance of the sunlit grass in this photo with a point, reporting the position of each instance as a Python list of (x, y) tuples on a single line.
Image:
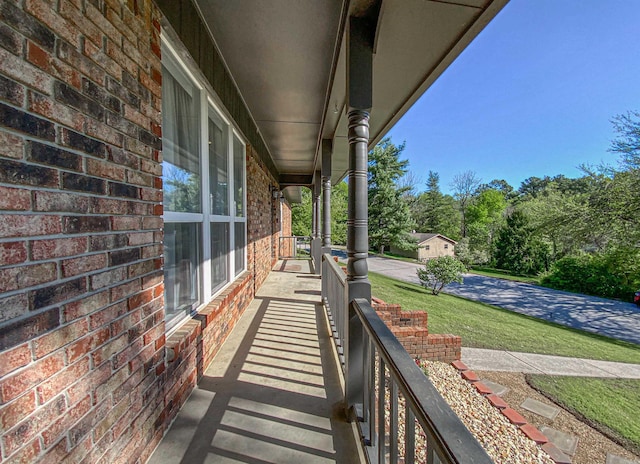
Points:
[(484, 326), (617, 416)]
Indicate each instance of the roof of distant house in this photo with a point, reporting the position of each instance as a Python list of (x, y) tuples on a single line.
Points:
[(425, 237)]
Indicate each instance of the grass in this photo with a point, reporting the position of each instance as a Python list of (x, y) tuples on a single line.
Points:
[(500, 274), (388, 254), (484, 326), (616, 417)]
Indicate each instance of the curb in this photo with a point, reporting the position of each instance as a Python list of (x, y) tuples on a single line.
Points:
[(512, 415)]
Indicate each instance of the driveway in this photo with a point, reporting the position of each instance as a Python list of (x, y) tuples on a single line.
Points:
[(612, 318)]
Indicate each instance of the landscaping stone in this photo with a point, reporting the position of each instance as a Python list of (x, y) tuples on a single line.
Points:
[(533, 433), (556, 454), (497, 401), (566, 442), (470, 376), (615, 459), (460, 365), (496, 387), (514, 416), (482, 388), (540, 408)]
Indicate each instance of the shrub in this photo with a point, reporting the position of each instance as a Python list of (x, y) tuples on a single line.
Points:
[(612, 274), (439, 272)]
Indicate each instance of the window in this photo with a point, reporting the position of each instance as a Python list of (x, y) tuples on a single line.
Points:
[(426, 247), (446, 246), (203, 172)]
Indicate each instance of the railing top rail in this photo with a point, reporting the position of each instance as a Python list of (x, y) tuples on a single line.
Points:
[(450, 436), (335, 267)]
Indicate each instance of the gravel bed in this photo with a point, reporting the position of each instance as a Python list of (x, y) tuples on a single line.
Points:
[(503, 441), (593, 446)]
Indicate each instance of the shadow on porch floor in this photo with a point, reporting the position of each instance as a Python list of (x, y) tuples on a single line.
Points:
[(273, 392)]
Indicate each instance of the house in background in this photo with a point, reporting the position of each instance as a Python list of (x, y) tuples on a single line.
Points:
[(428, 246), (147, 151)]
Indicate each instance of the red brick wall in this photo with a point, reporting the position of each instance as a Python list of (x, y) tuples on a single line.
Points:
[(263, 229), (81, 330), (410, 328), (84, 374)]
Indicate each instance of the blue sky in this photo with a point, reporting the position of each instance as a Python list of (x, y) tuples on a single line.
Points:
[(532, 95)]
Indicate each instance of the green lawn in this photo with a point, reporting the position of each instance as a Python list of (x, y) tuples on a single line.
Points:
[(485, 326), (617, 416), (499, 274)]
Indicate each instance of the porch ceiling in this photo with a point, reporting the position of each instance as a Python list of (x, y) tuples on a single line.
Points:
[(288, 59)]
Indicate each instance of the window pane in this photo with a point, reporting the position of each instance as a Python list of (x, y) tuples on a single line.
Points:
[(239, 246), (218, 167), (219, 254), (181, 156), (238, 176), (181, 271)]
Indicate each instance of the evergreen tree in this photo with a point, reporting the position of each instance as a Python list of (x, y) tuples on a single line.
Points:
[(518, 249), (434, 212), (389, 219)]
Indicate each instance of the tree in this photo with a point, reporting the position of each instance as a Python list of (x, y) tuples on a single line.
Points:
[(434, 212), (500, 185), (485, 215), (389, 218), (440, 272), (627, 144), (301, 215), (518, 249), (339, 196), (531, 187), (465, 186)]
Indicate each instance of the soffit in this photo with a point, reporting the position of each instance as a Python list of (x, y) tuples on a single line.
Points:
[(288, 59), (280, 54)]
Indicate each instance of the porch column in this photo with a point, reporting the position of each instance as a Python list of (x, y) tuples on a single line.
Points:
[(327, 148), (316, 242), (359, 100), (359, 90)]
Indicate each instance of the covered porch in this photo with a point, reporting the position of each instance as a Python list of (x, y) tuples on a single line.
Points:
[(295, 383), (274, 392)]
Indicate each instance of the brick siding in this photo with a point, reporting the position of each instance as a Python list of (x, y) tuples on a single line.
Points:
[(410, 328), (87, 373), (262, 216)]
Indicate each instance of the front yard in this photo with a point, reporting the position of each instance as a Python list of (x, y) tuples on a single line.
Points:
[(485, 326)]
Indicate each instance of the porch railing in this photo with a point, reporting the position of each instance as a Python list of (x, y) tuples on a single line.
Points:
[(292, 246), (402, 416), (334, 295)]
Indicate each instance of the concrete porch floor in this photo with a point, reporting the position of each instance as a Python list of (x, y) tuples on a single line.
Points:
[(273, 393)]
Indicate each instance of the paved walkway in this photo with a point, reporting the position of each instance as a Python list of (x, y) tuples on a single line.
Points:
[(510, 361), (273, 393), (616, 319)]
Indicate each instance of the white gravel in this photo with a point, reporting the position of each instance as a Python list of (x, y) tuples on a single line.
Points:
[(504, 442)]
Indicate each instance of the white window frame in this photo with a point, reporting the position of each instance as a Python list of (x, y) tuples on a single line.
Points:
[(208, 102)]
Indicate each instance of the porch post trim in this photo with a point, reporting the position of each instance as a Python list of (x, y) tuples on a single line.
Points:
[(326, 195)]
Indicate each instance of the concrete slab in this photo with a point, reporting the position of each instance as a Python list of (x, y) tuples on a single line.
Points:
[(554, 453), (274, 392), (615, 459), (560, 365), (566, 442), (540, 408), (479, 359), (496, 388), (622, 370)]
